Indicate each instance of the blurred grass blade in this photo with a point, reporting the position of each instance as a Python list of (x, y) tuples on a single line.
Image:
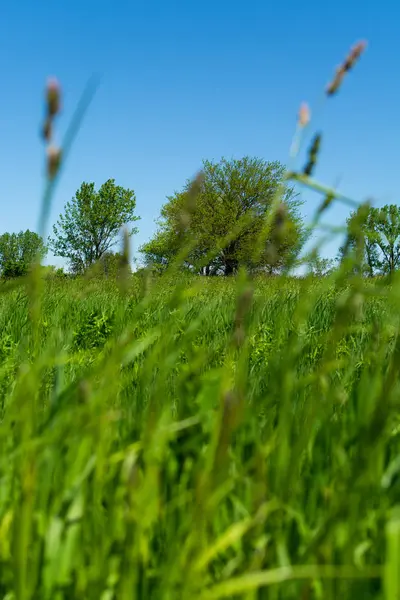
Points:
[(392, 563)]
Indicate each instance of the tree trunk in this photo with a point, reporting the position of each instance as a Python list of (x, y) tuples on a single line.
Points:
[(230, 267)]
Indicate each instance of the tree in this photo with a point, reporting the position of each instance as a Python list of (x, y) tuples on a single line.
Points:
[(360, 242), (228, 193), (386, 237), (320, 267), (91, 223), (381, 239), (18, 251)]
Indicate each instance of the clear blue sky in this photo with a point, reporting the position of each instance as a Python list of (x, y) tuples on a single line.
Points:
[(185, 80)]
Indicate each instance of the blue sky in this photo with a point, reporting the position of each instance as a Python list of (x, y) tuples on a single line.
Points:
[(185, 80)]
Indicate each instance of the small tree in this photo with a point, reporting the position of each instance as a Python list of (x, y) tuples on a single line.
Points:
[(91, 223), (18, 251)]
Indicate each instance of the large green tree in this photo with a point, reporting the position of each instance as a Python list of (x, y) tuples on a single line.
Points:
[(380, 231), (92, 222), (233, 197), (18, 251)]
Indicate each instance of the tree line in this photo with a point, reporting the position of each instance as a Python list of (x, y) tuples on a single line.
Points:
[(212, 226)]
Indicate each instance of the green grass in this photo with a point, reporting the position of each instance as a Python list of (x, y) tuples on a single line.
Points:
[(192, 438), (200, 438)]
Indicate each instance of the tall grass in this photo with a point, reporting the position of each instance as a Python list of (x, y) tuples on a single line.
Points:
[(200, 438), (153, 450)]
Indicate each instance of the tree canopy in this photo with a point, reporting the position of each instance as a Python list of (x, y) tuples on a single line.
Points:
[(380, 230), (320, 266), (233, 198), (91, 223), (18, 251)]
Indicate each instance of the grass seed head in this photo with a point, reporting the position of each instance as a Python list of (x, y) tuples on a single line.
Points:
[(354, 55), (190, 202), (84, 391), (345, 67), (125, 248), (280, 216), (47, 130), (280, 225), (53, 161), (304, 115), (53, 94), (313, 155), (271, 254), (194, 190), (327, 201), (242, 308), (231, 410)]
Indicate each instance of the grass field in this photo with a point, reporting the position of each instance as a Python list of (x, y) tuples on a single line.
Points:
[(174, 437), (200, 438)]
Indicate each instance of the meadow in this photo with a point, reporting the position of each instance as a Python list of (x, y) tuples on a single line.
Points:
[(170, 436), (195, 437)]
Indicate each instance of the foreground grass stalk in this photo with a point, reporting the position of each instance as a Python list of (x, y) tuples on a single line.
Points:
[(392, 572), (276, 576)]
